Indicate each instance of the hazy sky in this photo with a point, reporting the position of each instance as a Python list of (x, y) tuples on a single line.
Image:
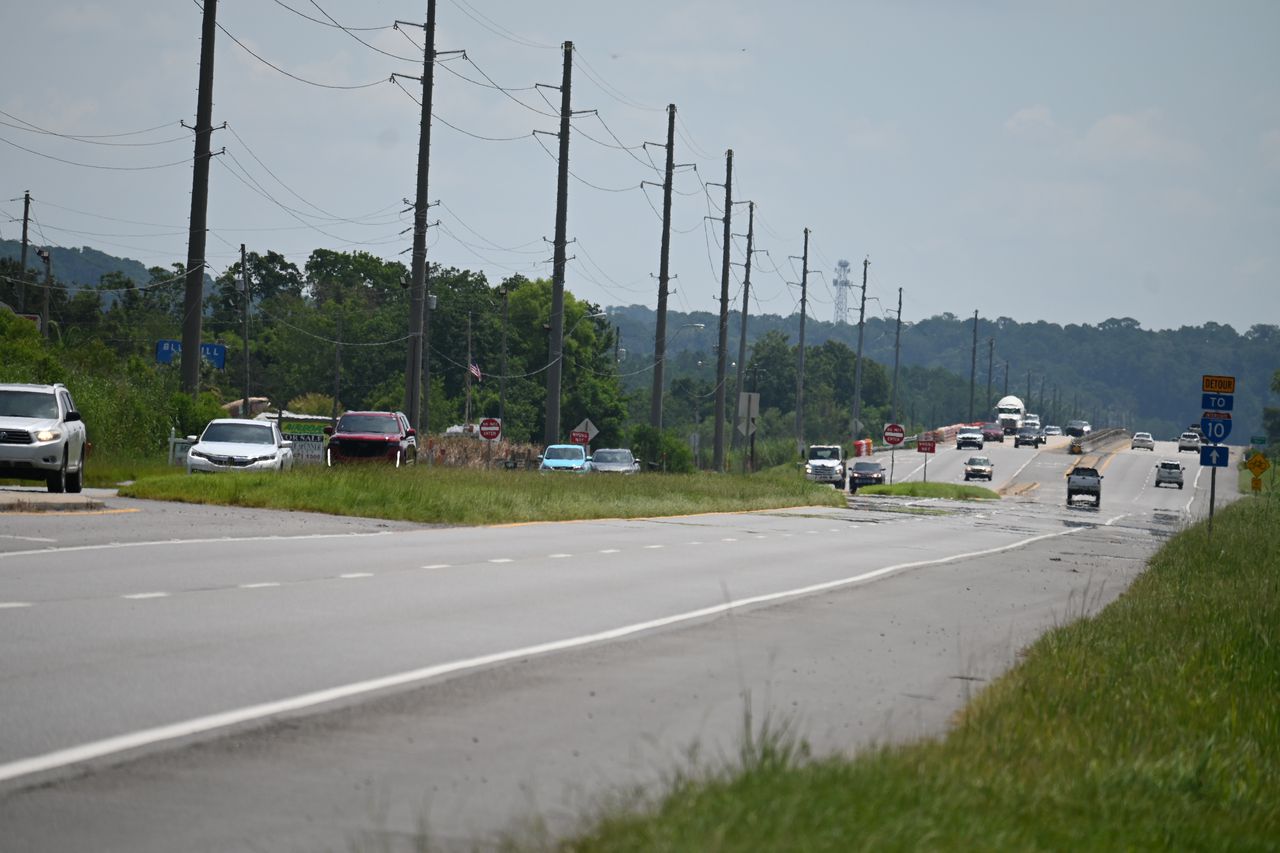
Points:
[(1063, 161)]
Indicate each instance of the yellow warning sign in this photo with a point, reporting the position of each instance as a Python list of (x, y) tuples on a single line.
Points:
[(1218, 384), (1258, 464)]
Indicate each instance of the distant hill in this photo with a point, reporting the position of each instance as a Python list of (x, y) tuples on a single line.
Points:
[(83, 266)]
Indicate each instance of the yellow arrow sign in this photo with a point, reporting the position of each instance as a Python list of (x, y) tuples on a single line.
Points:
[(1258, 464)]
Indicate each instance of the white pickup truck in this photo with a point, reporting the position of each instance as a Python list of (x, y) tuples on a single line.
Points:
[(1084, 481), (826, 464)]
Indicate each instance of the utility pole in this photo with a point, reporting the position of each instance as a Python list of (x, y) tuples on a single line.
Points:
[(718, 450), (991, 355), (1041, 406), (1006, 378), (1028, 402), (551, 433), (897, 347), (855, 423), (193, 298), (337, 355), (48, 281), (418, 359), (502, 380), (244, 282), (22, 285), (804, 302), (973, 366), (466, 417), (664, 278), (742, 333)]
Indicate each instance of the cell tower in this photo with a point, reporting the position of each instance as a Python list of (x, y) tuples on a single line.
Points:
[(841, 284)]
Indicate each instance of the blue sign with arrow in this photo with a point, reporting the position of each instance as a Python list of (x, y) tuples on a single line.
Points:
[(1214, 457)]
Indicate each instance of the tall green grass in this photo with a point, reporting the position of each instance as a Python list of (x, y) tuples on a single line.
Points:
[(1153, 726), (466, 496)]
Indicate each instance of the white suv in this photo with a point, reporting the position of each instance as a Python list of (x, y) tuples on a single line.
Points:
[(1189, 441), (41, 436), (1169, 472)]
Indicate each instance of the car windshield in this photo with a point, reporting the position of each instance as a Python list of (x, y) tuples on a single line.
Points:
[(375, 424), (874, 467), (574, 453), (1170, 466), (1142, 435), (28, 404), (824, 453), (608, 456), (992, 426), (969, 430), (978, 460), (239, 433)]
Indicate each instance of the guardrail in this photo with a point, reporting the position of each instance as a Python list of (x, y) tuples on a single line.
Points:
[(1079, 444)]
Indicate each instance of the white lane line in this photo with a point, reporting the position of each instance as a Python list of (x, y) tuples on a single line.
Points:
[(728, 539), (13, 605), (758, 536), (695, 542), (653, 547), (113, 545), (352, 575), (558, 556), (500, 560), (25, 538), (437, 566), (1195, 484), (186, 728), (610, 551), (262, 585), (1024, 465), (141, 595)]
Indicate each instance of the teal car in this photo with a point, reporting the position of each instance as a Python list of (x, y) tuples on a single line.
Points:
[(565, 457)]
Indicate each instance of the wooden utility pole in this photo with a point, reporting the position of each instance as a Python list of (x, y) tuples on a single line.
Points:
[(22, 273), (551, 433), (664, 278), (718, 454), (418, 359), (804, 303), (502, 380), (855, 422), (193, 297), (897, 347), (466, 417), (991, 355), (742, 332), (244, 283), (973, 366)]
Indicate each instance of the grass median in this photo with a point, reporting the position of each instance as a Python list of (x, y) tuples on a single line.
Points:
[(1152, 725), (462, 496)]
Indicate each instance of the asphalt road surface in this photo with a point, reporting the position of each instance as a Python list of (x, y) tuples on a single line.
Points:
[(201, 678)]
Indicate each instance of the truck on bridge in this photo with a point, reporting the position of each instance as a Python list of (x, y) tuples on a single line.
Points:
[(1010, 412)]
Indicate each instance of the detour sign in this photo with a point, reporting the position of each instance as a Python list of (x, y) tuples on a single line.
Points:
[(1218, 384)]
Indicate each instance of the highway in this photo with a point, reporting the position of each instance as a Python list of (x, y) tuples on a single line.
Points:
[(208, 678)]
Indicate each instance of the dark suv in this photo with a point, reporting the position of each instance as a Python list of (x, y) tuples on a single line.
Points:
[(371, 437), (42, 436)]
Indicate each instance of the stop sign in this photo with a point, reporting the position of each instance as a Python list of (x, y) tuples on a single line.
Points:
[(894, 434), (490, 428)]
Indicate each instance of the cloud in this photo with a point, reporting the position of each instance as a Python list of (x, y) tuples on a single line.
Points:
[(1136, 137), (1035, 122)]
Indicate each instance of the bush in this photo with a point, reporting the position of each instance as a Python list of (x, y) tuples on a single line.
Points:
[(661, 451)]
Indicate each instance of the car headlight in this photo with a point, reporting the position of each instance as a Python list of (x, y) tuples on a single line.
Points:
[(48, 435), (197, 454), (270, 457), (808, 469)]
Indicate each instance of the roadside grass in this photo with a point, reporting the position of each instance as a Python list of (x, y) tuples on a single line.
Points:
[(955, 491), (436, 495), (108, 471), (1152, 725)]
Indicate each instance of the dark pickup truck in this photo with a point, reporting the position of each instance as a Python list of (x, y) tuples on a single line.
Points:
[(1084, 481)]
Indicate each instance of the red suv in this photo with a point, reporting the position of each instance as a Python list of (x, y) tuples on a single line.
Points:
[(371, 437)]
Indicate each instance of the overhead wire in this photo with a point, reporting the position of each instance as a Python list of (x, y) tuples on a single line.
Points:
[(496, 28), (96, 165), (349, 31)]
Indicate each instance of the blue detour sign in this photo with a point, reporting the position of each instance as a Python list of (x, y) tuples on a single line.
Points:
[(1216, 426), (1214, 457)]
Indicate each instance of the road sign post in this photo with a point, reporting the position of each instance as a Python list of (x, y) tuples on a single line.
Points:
[(1218, 397), (927, 446), (894, 435)]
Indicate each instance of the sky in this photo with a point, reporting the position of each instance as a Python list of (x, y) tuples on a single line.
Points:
[(1065, 160)]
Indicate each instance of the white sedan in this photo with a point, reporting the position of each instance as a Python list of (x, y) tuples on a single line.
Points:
[(1143, 440), (235, 444)]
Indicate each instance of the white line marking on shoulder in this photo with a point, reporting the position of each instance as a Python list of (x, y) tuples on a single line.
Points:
[(138, 596)]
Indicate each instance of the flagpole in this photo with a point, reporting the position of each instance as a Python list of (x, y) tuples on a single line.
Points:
[(467, 417)]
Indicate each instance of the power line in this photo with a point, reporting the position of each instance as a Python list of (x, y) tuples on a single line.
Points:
[(496, 28), (327, 24), (95, 165), (349, 31)]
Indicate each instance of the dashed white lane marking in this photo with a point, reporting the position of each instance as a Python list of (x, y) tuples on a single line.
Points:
[(610, 551), (652, 547), (352, 575), (261, 585), (186, 728), (140, 595), (728, 539), (695, 542), (25, 538), (208, 541), (13, 605), (558, 556), (759, 537), (500, 560), (437, 566)]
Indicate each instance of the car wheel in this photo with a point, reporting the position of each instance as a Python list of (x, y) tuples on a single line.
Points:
[(75, 481), (57, 481), (1179, 487)]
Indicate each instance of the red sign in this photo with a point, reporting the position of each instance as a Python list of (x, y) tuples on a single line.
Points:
[(490, 428), (894, 434), (926, 445), (579, 438)]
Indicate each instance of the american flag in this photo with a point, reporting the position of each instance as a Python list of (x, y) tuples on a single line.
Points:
[(475, 371)]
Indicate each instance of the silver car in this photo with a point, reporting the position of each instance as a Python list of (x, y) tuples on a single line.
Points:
[(614, 461), (1143, 440), (236, 444)]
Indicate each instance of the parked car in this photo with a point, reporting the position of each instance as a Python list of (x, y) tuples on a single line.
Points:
[(1189, 441), (978, 468), (1053, 429), (1143, 440), (371, 437), (565, 457), (42, 436), (993, 431), (237, 444), (865, 473), (614, 461), (1028, 435), (969, 437), (1169, 471)]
